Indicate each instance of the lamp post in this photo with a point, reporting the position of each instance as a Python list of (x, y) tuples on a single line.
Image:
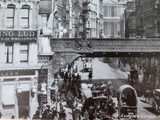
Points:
[(61, 29)]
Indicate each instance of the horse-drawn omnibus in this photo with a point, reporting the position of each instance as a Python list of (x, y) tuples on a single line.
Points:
[(127, 101)]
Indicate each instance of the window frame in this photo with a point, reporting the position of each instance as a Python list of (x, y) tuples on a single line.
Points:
[(11, 6), (7, 53), (26, 7), (24, 43)]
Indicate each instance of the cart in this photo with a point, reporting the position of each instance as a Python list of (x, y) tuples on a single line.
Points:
[(127, 102)]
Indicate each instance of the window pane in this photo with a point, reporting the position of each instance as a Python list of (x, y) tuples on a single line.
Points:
[(9, 53), (9, 22), (24, 12), (9, 12), (24, 23), (23, 56), (10, 56), (9, 17), (8, 97), (24, 53)]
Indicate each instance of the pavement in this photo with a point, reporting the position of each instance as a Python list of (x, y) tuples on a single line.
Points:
[(101, 70)]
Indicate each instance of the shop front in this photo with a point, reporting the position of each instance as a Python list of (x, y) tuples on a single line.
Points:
[(18, 93)]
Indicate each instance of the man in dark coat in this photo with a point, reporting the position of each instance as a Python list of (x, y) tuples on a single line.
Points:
[(65, 78), (73, 78), (90, 76)]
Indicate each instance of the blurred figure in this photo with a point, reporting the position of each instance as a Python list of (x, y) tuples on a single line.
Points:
[(86, 115), (65, 78), (90, 76)]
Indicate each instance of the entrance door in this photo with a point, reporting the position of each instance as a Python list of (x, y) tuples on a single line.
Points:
[(23, 104)]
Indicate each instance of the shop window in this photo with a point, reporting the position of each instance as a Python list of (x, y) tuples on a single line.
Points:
[(9, 52), (8, 93), (10, 14), (24, 52), (24, 13)]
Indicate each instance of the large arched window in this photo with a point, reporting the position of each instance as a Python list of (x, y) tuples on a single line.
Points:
[(10, 16), (24, 14)]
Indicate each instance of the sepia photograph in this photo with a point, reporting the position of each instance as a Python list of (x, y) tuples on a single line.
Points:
[(80, 59)]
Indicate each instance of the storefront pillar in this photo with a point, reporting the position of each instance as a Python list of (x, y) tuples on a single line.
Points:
[(1, 95), (16, 99), (33, 102)]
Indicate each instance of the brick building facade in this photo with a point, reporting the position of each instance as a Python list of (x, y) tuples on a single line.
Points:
[(147, 18)]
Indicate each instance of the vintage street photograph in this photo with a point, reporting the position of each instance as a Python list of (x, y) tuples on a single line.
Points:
[(80, 59)]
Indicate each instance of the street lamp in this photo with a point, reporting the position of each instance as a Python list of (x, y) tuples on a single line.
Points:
[(61, 29)]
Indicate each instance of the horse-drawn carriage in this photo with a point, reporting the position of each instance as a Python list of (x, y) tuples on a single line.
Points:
[(133, 77), (99, 107), (127, 102)]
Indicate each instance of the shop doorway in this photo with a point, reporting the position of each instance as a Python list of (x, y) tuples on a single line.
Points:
[(23, 104)]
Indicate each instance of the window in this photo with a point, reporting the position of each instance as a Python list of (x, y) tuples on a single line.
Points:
[(24, 52), (10, 13), (24, 13), (9, 52)]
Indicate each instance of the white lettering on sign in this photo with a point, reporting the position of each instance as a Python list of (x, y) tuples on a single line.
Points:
[(8, 35), (26, 33)]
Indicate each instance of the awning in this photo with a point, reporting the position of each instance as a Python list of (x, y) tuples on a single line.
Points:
[(8, 95)]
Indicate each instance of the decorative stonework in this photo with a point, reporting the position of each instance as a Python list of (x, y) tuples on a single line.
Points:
[(84, 46), (60, 60)]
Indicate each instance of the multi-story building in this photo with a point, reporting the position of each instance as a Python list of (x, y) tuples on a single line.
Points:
[(130, 19), (93, 15), (76, 9), (113, 10), (18, 63), (147, 16), (66, 19), (139, 18), (99, 18)]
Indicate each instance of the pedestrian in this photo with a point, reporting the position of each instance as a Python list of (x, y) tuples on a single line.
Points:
[(54, 112), (58, 77), (69, 78), (86, 115), (78, 77), (110, 91), (91, 112), (55, 75), (65, 78), (12, 117), (90, 76), (73, 78), (62, 74)]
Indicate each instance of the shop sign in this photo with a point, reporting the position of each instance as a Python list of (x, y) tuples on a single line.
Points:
[(16, 73), (18, 35)]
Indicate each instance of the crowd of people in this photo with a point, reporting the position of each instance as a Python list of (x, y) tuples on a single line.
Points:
[(69, 95)]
